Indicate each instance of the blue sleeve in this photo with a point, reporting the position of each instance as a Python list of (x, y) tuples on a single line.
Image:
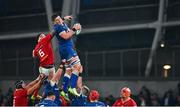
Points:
[(58, 28)]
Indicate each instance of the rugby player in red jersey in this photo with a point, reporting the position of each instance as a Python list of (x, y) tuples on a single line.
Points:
[(44, 52), (22, 91), (125, 100)]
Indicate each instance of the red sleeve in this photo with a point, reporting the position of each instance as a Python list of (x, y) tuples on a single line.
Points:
[(133, 103), (116, 103), (46, 39)]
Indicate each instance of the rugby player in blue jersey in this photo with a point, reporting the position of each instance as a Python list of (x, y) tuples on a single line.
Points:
[(67, 51), (82, 99), (48, 101)]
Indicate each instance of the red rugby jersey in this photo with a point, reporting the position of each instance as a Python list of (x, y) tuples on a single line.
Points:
[(44, 51), (20, 97), (128, 103)]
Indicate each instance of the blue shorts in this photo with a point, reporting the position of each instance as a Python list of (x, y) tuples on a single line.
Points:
[(67, 52)]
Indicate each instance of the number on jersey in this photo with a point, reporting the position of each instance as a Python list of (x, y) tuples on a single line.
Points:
[(41, 53)]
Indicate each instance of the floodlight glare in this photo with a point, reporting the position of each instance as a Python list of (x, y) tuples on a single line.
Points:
[(167, 67)]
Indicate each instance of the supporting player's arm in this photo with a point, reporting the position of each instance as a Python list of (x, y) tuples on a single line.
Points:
[(31, 89), (33, 82)]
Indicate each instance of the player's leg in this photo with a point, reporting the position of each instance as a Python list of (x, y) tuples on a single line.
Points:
[(66, 79), (76, 67), (79, 81), (57, 75), (44, 72), (65, 83), (51, 73)]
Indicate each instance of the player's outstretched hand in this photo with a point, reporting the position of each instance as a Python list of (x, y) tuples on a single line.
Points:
[(77, 26), (68, 17)]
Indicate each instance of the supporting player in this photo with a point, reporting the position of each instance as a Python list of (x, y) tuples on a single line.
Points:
[(94, 99), (67, 52), (82, 99), (125, 99), (23, 90), (48, 101)]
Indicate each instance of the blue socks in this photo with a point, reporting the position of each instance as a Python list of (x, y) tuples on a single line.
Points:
[(65, 83), (73, 79)]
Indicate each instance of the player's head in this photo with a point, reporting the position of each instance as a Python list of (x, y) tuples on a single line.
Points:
[(19, 84), (57, 19), (85, 90), (40, 36), (51, 95), (94, 95), (125, 92)]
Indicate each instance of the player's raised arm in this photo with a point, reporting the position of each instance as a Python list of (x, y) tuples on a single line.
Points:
[(61, 28), (33, 82), (31, 89), (67, 17), (67, 35)]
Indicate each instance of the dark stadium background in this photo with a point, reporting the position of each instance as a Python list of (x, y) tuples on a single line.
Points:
[(118, 40)]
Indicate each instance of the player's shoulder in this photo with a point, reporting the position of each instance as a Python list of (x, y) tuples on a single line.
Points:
[(133, 102), (101, 103)]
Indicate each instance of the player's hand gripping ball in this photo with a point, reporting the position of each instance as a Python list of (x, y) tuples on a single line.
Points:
[(77, 26)]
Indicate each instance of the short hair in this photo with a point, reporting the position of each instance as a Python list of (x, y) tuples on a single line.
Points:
[(18, 84), (37, 36), (94, 95), (126, 90), (54, 16)]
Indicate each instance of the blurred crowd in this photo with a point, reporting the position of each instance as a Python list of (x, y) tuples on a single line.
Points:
[(144, 98)]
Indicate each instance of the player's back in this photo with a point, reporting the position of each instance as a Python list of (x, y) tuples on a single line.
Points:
[(98, 103), (63, 42), (20, 97), (79, 101), (46, 103)]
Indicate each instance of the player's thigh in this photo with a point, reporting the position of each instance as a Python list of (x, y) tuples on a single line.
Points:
[(45, 71), (52, 70), (71, 53)]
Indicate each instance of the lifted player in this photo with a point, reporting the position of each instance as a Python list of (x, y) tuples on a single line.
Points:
[(44, 52), (67, 52)]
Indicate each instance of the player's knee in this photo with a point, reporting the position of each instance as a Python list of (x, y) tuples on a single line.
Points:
[(68, 71), (77, 67)]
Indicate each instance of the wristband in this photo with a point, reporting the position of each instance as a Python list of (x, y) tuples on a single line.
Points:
[(73, 29), (80, 74)]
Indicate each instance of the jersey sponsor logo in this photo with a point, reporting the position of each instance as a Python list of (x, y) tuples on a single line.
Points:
[(56, 88)]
